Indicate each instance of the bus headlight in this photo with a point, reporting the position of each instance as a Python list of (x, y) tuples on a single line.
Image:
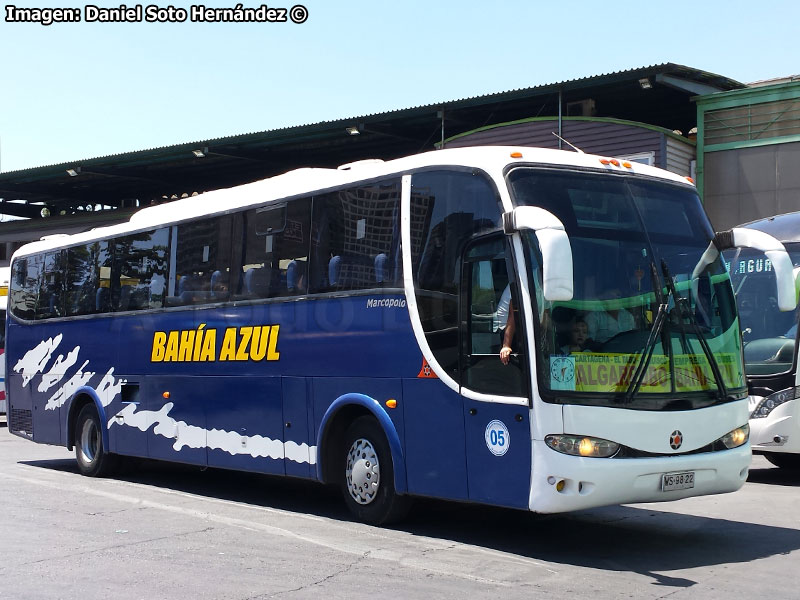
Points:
[(581, 445), (736, 438), (773, 400)]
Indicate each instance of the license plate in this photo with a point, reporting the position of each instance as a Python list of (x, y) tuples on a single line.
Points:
[(677, 481)]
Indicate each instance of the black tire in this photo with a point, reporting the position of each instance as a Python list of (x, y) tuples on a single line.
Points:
[(367, 475), (92, 458), (784, 461)]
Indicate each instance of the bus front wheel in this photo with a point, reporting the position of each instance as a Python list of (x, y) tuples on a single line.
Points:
[(368, 475), (92, 458)]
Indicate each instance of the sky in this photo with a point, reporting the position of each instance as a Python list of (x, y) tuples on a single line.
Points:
[(72, 91)]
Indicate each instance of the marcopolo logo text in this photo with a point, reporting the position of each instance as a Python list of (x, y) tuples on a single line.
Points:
[(386, 303)]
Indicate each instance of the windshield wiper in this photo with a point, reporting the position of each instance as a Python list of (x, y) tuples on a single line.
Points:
[(686, 314), (650, 345)]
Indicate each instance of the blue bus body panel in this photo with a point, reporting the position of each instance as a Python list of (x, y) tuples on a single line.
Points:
[(177, 433), (435, 445), (129, 441), (209, 394), (498, 453), (223, 408), (298, 427), (250, 410)]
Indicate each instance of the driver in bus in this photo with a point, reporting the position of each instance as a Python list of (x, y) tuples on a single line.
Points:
[(504, 323), (605, 324)]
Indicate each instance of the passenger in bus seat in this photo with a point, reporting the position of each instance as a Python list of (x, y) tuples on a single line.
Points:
[(578, 338)]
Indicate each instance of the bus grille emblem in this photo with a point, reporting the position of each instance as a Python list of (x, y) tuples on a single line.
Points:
[(675, 439)]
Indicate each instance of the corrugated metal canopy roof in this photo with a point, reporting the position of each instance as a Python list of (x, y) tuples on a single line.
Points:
[(142, 177)]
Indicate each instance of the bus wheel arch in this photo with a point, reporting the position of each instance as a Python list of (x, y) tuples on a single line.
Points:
[(338, 418)]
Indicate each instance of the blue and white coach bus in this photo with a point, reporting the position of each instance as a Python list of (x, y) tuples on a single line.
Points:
[(342, 325)]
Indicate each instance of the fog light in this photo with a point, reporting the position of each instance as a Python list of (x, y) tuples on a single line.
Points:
[(560, 485)]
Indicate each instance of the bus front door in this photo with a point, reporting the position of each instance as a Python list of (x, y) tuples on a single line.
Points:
[(494, 393)]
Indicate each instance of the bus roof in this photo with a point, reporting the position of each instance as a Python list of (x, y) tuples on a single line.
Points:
[(785, 228), (308, 180)]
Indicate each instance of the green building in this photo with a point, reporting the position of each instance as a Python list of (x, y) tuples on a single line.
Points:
[(748, 151)]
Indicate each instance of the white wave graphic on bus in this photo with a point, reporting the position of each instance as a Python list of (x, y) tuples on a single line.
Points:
[(35, 361)]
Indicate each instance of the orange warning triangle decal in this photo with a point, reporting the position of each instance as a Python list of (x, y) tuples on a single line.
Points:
[(426, 372)]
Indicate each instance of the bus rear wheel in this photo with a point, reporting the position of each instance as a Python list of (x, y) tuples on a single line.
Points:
[(92, 458), (784, 461), (368, 475)]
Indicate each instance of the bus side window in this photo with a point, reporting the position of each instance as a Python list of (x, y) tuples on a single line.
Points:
[(290, 249), (274, 250), (356, 238), (50, 302), (24, 286), (139, 261), (203, 263), (86, 266)]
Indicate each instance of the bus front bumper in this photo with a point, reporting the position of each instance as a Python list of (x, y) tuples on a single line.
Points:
[(591, 482)]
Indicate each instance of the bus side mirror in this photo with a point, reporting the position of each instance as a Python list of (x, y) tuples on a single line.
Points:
[(554, 244), (740, 237)]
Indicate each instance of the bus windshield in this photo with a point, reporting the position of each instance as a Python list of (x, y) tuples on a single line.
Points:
[(769, 334), (639, 330)]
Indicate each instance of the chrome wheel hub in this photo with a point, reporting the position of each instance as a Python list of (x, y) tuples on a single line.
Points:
[(362, 472)]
